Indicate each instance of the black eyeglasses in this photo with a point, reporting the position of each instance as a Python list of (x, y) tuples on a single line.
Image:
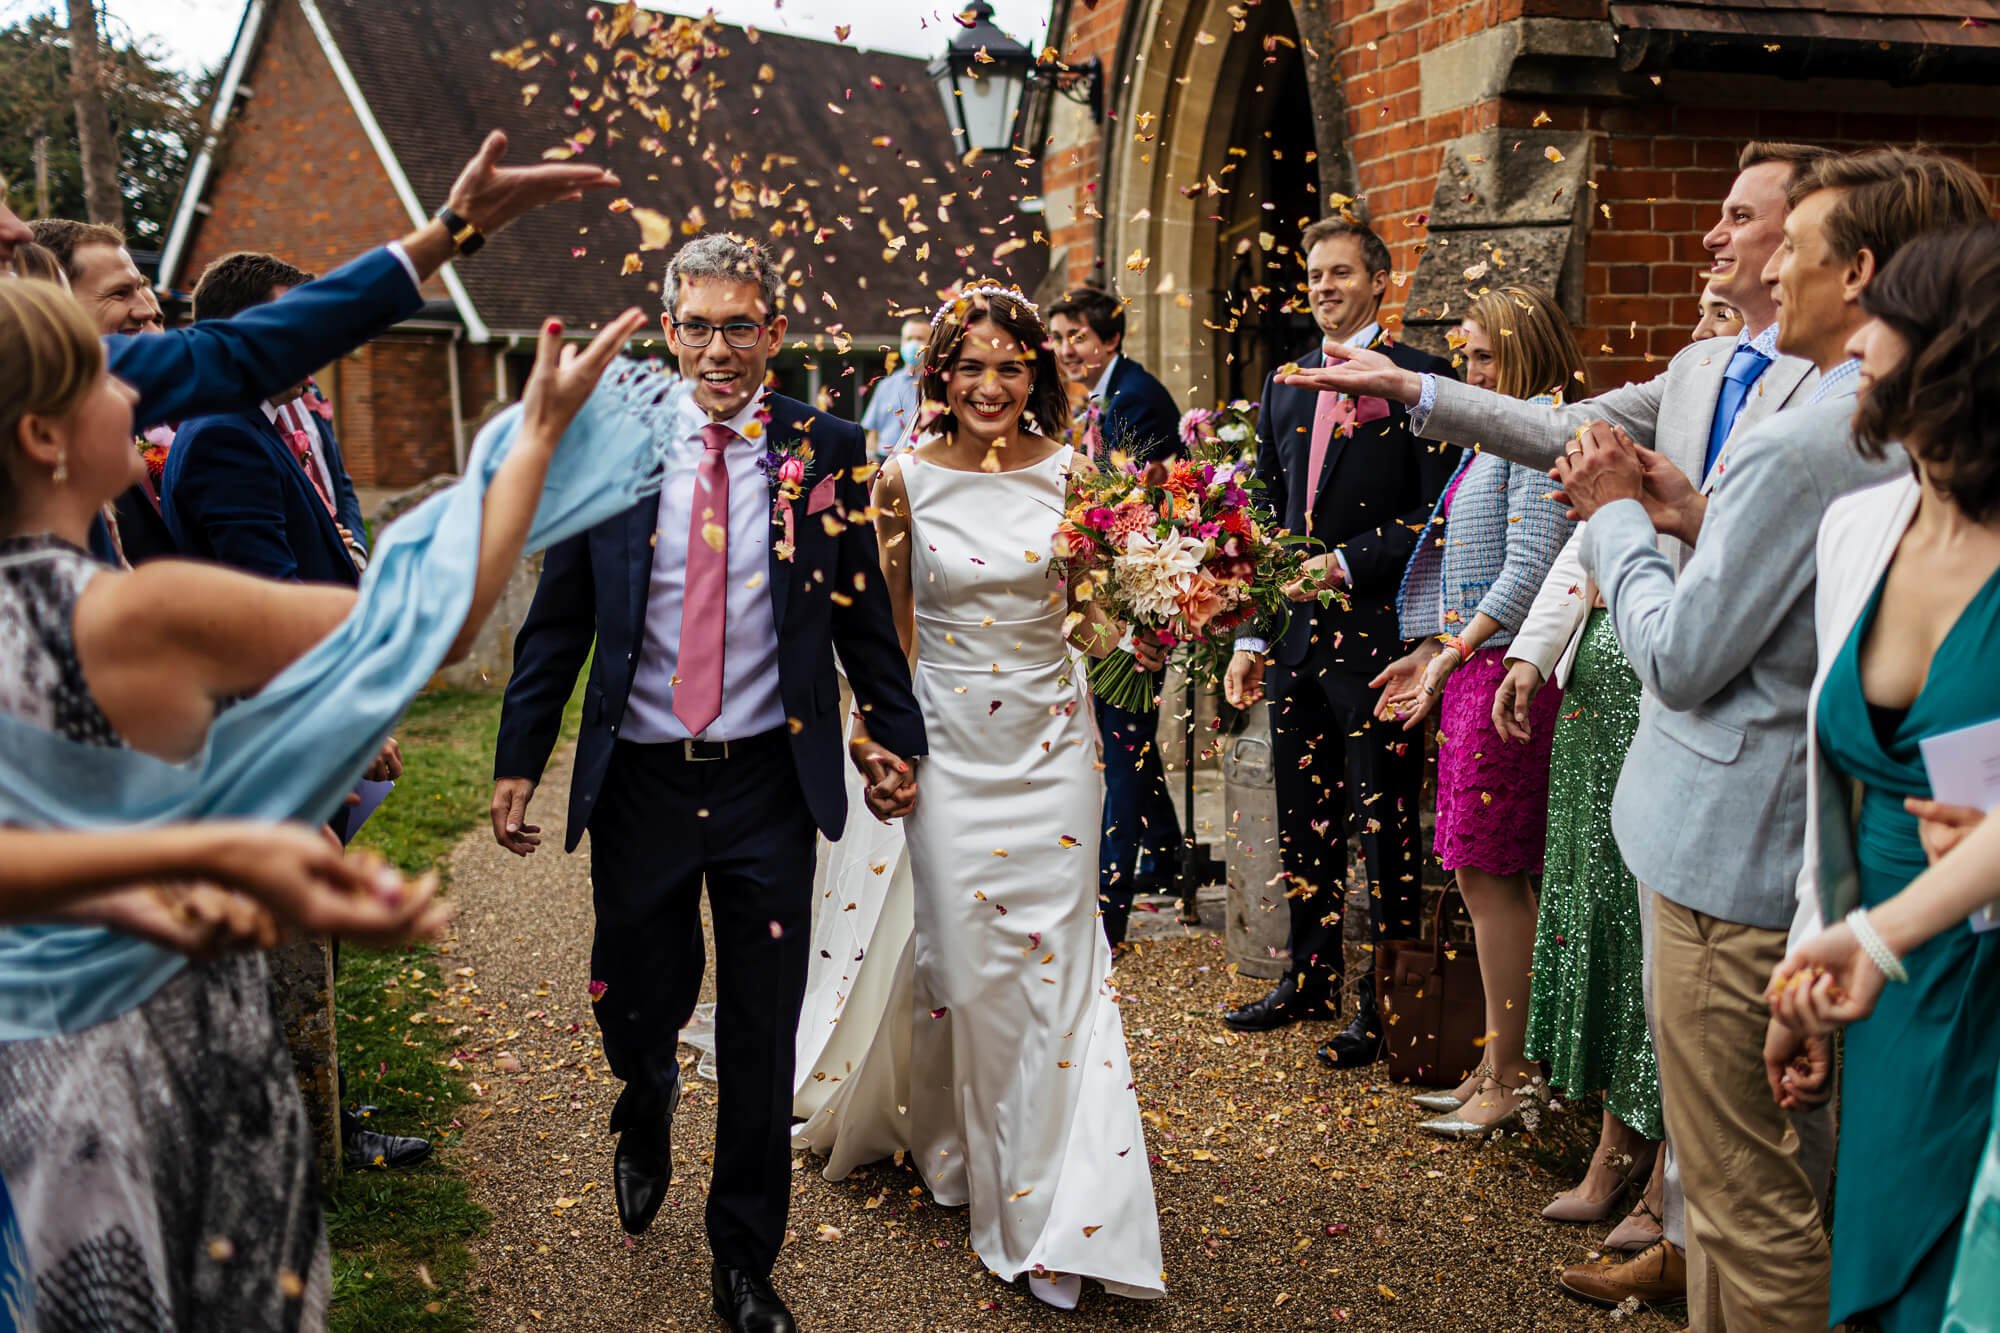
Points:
[(698, 333)]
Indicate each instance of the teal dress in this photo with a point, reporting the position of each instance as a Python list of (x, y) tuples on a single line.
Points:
[(1917, 1085)]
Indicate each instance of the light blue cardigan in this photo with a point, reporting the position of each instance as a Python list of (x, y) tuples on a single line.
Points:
[(1489, 554)]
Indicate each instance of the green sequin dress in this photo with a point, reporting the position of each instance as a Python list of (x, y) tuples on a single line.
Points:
[(1587, 1013)]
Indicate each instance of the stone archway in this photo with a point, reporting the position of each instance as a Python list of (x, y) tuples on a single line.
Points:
[(1180, 201)]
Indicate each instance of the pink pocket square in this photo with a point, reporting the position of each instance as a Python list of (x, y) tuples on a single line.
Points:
[(1370, 409), (820, 498)]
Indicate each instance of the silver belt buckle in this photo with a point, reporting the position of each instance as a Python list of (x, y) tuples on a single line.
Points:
[(688, 750)]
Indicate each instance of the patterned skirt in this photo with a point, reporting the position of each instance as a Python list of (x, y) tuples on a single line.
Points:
[(1492, 793), (161, 1167), (1587, 1013)]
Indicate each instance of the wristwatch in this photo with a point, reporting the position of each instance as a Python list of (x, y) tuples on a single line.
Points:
[(465, 238)]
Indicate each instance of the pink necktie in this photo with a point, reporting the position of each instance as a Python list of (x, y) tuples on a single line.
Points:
[(301, 440), (1327, 414), (698, 692)]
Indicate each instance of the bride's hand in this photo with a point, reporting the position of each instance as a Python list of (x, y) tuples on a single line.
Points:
[(1148, 653), (565, 374)]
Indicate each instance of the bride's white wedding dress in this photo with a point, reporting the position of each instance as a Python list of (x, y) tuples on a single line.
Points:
[(997, 1057)]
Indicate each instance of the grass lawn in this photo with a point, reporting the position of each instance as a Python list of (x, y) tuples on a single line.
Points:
[(399, 1237)]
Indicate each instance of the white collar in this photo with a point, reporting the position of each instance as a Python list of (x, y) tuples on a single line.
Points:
[(1104, 380), (692, 416), (1365, 337), (272, 410)]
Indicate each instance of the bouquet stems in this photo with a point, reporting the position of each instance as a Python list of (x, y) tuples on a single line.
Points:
[(1117, 679)]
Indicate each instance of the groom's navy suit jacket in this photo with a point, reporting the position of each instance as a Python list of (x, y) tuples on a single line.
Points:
[(233, 492), (829, 595), (1377, 489)]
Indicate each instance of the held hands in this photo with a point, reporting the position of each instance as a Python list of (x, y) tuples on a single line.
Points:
[(1599, 466), (1799, 1068), (490, 196), (1322, 571), (1243, 683), (565, 374), (509, 812), (1514, 700), (891, 779), (1361, 372)]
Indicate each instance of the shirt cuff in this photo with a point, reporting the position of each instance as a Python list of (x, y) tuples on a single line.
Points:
[(403, 258), (1250, 645), (1426, 400), (1346, 574)]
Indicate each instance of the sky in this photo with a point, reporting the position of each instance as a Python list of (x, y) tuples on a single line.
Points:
[(194, 35)]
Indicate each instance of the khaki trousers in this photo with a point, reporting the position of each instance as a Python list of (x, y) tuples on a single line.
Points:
[(1757, 1248)]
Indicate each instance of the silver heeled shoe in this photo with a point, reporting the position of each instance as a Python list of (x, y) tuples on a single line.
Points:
[(1454, 1125), (1446, 1100)]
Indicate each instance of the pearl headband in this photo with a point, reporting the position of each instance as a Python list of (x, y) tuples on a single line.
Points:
[(988, 289)]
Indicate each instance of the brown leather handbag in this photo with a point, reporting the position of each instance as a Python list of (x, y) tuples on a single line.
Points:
[(1432, 1005)]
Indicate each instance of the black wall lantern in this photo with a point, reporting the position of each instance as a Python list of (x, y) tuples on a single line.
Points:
[(985, 78)]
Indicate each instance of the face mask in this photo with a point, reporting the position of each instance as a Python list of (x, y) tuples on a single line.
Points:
[(912, 350)]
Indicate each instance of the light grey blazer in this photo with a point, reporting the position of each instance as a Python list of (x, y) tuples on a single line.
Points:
[(1671, 413), (1711, 804)]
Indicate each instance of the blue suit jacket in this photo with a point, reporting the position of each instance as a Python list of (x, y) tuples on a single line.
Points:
[(230, 365), (1139, 413), (829, 595), (1377, 489), (234, 492)]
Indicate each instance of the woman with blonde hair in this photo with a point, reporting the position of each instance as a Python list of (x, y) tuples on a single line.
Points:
[(151, 1134), (1490, 542)]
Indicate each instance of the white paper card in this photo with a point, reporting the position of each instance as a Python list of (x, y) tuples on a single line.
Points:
[(1964, 769)]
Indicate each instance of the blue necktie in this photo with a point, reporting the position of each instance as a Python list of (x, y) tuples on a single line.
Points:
[(1744, 367)]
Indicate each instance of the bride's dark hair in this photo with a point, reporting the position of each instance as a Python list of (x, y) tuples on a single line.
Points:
[(1047, 411)]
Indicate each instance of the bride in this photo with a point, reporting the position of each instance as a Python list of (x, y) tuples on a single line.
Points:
[(992, 1050)]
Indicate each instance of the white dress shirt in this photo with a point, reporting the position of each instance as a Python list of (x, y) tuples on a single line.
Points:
[(296, 415), (750, 700)]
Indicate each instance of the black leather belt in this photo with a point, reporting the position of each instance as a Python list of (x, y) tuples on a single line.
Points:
[(705, 752)]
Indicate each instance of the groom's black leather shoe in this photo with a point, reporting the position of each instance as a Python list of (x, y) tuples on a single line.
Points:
[(644, 1164), (1281, 1008), (746, 1302)]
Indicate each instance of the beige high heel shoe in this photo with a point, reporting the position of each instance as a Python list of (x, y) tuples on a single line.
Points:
[(1455, 1124), (1568, 1207)]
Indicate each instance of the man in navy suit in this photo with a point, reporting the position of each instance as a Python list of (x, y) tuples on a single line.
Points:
[(261, 489), (1134, 413), (233, 364), (1349, 473), (710, 746)]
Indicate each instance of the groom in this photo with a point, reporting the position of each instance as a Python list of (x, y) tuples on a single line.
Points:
[(710, 746)]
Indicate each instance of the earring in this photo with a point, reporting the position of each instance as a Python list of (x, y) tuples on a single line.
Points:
[(62, 469)]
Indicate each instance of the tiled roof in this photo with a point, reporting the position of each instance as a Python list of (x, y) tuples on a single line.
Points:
[(828, 143), (1947, 37)]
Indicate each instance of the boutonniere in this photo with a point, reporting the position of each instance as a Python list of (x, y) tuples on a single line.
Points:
[(787, 467)]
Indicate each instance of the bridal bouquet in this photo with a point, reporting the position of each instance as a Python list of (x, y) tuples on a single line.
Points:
[(1231, 427), (1175, 549)]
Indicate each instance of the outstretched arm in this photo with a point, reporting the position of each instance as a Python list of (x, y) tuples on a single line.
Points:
[(232, 364)]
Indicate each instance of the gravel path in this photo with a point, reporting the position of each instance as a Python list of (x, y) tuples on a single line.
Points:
[(1290, 1197)]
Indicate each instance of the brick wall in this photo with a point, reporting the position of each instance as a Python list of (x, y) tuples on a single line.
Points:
[(297, 177), (1660, 167)]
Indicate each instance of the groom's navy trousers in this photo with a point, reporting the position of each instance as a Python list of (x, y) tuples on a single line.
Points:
[(663, 824)]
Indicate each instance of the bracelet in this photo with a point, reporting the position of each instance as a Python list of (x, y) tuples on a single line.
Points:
[(1873, 945), (1457, 644)]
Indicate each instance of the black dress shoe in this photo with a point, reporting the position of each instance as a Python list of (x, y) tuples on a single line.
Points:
[(643, 1165), (746, 1302), (1281, 1008), (1360, 1043), (362, 1148)]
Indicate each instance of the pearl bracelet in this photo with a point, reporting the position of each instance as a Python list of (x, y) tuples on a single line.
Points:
[(1873, 945)]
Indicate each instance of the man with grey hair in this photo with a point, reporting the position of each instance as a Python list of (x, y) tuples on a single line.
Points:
[(710, 745)]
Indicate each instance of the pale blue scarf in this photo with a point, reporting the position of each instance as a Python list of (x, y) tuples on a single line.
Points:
[(295, 749)]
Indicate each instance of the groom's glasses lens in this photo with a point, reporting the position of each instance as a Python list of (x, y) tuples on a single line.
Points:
[(695, 333)]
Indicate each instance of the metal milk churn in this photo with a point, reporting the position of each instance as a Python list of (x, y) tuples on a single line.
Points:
[(1259, 919)]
